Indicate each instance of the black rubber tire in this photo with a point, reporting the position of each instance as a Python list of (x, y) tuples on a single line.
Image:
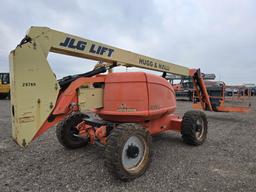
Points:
[(114, 147), (189, 127), (66, 128)]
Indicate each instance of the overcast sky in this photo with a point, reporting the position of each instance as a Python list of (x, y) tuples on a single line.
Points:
[(219, 36)]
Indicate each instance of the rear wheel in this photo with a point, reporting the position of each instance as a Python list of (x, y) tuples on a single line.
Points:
[(66, 131), (194, 127), (127, 151)]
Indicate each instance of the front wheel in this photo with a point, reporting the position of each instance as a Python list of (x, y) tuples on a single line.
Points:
[(127, 151), (194, 127)]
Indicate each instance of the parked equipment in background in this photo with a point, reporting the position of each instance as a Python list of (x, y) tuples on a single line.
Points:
[(184, 89), (239, 91), (4, 86), (220, 99)]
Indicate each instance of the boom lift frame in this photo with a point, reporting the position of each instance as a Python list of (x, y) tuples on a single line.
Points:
[(118, 110)]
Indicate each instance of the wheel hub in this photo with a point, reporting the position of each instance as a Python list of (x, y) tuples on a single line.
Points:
[(199, 129), (132, 151)]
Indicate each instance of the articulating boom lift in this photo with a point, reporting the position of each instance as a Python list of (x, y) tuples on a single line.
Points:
[(118, 110)]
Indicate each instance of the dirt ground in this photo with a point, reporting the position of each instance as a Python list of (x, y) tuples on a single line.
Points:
[(226, 162)]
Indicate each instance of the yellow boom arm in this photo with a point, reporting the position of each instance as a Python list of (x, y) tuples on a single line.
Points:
[(34, 87)]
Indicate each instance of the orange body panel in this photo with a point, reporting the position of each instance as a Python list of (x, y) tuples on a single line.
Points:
[(161, 96), (136, 97), (164, 123)]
